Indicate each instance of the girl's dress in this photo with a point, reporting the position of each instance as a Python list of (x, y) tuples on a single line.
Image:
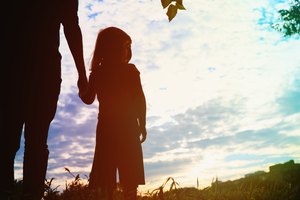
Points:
[(121, 101)]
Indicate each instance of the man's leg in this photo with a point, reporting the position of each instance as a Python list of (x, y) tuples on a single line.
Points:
[(38, 119), (35, 158), (10, 133)]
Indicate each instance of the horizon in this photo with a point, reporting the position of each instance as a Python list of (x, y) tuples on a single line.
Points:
[(166, 181), (222, 90)]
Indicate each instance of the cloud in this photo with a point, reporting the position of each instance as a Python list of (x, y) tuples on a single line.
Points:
[(208, 140), (72, 135), (289, 101)]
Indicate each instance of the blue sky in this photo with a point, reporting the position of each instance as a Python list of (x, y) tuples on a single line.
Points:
[(222, 91)]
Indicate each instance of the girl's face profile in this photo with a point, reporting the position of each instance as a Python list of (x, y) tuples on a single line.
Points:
[(126, 52)]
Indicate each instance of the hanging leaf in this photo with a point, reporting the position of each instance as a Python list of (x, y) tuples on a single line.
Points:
[(172, 11), (179, 5), (165, 3)]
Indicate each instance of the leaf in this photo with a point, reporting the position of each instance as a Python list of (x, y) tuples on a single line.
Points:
[(289, 20), (172, 186), (165, 3), (77, 177), (179, 5), (66, 169), (172, 11), (50, 182)]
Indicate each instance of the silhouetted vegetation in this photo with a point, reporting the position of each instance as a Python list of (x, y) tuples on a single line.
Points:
[(289, 20), (281, 183)]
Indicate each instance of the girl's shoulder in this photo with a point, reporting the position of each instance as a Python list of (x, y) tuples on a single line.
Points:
[(127, 70), (133, 68)]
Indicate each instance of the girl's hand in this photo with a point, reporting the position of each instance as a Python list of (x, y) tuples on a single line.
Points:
[(143, 134)]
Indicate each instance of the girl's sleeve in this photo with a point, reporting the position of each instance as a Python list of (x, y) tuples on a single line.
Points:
[(140, 102), (89, 96)]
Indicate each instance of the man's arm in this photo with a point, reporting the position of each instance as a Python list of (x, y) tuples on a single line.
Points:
[(74, 39), (73, 36)]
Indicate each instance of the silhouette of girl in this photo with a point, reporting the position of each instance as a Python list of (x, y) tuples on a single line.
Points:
[(122, 115)]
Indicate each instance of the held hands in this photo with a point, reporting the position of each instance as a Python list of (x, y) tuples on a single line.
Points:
[(86, 89), (143, 132), (82, 84)]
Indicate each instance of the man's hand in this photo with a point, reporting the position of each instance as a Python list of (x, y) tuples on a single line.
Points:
[(82, 84)]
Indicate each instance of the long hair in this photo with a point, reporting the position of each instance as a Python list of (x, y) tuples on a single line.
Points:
[(108, 46)]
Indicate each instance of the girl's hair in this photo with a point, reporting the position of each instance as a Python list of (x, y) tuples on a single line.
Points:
[(108, 46)]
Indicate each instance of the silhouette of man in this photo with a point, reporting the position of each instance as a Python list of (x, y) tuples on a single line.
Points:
[(30, 84)]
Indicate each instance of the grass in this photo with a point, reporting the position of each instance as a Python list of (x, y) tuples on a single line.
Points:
[(263, 186)]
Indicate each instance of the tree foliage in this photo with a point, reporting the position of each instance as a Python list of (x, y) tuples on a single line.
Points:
[(289, 20), (172, 7)]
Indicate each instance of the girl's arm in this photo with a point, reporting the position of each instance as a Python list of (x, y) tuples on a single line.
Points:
[(89, 95), (141, 110)]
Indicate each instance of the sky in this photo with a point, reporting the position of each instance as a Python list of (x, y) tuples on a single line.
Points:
[(222, 90)]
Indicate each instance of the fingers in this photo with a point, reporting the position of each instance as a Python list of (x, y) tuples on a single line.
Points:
[(82, 92), (143, 139), (82, 84), (144, 136)]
